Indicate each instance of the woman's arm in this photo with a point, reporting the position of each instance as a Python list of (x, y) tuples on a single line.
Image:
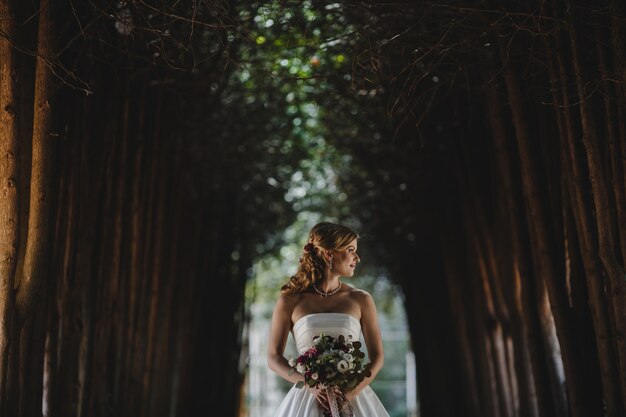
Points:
[(373, 341), (279, 332)]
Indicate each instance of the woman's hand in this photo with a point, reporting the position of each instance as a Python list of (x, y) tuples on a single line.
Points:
[(345, 404), (350, 395), (322, 398)]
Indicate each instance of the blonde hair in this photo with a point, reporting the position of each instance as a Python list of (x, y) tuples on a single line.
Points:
[(324, 236)]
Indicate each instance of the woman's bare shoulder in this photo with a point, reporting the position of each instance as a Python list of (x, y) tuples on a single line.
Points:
[(358, 293), (360, 297)]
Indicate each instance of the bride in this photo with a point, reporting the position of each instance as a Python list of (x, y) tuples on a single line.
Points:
[(315, 300)]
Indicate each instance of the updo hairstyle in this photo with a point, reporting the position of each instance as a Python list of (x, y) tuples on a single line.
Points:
[(324, 236)]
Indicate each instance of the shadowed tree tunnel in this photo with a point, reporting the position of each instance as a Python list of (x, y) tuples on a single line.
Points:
[(146, 153)]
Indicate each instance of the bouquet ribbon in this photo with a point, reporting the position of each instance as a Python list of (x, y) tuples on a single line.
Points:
[(332, 402)]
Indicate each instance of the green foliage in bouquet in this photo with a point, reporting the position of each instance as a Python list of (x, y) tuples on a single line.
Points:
[(332, 361)]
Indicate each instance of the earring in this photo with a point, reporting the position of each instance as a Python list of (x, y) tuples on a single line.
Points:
[(331, 263)]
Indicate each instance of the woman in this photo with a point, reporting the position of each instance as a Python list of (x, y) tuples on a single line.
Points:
[(315, 300)]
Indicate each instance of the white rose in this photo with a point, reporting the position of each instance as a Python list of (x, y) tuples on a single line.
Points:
[(342, 366), (300, 368), (314, 376), (348, 357)]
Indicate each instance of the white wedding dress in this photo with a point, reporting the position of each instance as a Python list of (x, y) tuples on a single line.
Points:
[(299, 402)]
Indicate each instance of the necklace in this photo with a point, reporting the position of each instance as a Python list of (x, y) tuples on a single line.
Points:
[(326, 294)]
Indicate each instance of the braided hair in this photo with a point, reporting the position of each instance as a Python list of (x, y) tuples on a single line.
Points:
[(324, 236)]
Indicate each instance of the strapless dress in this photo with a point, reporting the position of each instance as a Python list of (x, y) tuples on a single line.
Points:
[(299, 402)]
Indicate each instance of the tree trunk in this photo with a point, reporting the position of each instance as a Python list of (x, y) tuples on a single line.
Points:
[(35, 263), (577, 184), (607, 242), (544, 251), (613, 131), (533, 391), (9, 189)]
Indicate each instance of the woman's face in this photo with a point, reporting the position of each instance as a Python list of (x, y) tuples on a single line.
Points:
[(345, 262)]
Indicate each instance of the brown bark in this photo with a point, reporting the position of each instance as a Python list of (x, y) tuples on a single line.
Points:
[(533, 392), (486, 346), (122, 240), (25, 368), (62, 250), (118, 273), (482, 344), (137, 277), (497, 311), (9, 183), (35, 263), (614, 128), (112, 308), (607, 242), (32, 344), (616, 14), (616, 10), (109, 257), (167, 362), (544, 249), (155, 233), (577, 184), (492, 330), (460, 309)]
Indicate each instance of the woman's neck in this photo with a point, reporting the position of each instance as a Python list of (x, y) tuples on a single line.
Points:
[(329, 284)]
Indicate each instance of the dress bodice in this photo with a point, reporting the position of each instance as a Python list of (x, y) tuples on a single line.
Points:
[(332, 324), (303, 402)]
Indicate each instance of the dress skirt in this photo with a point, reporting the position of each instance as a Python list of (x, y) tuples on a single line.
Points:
[(300, 402)]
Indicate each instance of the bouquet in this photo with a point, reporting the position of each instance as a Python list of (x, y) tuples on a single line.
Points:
[(332, 363)]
